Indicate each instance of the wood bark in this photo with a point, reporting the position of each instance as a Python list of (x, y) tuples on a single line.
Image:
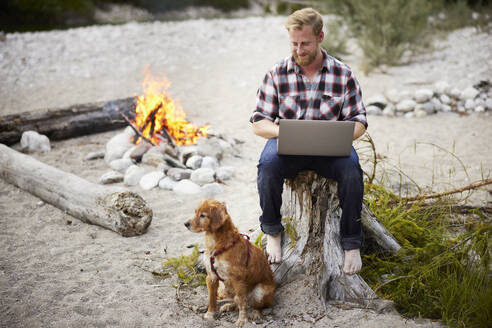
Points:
[(311, 244), (69, 122), (113, 208)]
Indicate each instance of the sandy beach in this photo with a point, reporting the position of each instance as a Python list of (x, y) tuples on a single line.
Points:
[(56, 271)]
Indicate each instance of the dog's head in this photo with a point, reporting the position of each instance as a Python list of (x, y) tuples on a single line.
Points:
[(209, 217)]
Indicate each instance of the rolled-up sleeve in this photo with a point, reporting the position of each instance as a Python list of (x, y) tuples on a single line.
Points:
[(266, 100), (353, 107)]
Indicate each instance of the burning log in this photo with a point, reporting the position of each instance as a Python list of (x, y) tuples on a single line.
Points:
[(69, 122), (113, 208), (312, 242)]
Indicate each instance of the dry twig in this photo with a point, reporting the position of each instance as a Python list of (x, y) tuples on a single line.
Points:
[(449, 192)]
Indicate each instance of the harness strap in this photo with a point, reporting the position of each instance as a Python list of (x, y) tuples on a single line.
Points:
[(222, 250)]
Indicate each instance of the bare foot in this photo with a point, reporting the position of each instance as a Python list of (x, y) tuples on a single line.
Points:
[(274, 248), (353, 262)]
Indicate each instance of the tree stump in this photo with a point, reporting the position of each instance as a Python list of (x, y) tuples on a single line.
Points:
[(311, 242), (113, 208)]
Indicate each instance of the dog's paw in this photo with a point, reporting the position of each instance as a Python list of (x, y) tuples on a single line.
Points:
[(228, 307), (255, 315), (241, 322), (210, 316)]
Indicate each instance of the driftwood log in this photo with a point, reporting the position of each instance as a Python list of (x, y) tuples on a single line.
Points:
[(69, 122), (311, 244), (113, 208)]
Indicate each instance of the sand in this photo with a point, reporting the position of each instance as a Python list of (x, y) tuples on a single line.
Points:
[(56, 271)]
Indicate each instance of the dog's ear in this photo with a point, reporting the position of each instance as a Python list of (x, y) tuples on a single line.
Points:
[(218, 215)]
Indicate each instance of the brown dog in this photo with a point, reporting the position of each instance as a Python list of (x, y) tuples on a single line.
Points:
[(230, 258)]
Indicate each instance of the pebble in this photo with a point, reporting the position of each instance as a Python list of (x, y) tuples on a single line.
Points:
[(423, 95), (469, 104), (469, 93), (153, 158), (224, 172), (210, 162), (203, 176), (373, 110), (118, 145), (406, 105), (454, 93), (377, 100), (393, 95), (111, 177), (94, 155), (389, 111), (187, 187), (151, 180), (212, 189), (186, 152), (178, 174), (133, 175), (209, 147), (479, 109), (420, 113), (167, 183), (445, 99), (442, 87), (121, 165), (31, 141), (194, 162), (488, 103)]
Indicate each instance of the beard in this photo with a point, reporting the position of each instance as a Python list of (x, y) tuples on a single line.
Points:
[(306, 60)]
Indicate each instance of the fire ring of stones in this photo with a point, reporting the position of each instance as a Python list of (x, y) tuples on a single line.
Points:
[(191, 169), (441, 98)]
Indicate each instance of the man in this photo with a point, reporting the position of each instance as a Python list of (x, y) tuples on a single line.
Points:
[(314, 86)]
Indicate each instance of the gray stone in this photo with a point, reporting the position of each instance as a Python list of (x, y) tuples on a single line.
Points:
[(224, 172), (153, 158), (128, 152), (373, 110), (133, 175), (118, 145), (167, 183), (173, 161), (178, 174), (445, 108), (121, 165), (187, 187), (442, 87), (454, 93), (423, 95), (212, 189), (31, 141), (469, 104), (209, 147), (393, 95), (377, 100), (138, 151), (111, 177), (186, 152), (445, 99), (94, 155), (420, 113), (226, 147), (469, 93), (203, 176), (406, 105), (437, 104), (151, 180), (427, 107), (488, 103), (163, 167), (479, 109), (210, 162), (409, 115), (194, 162), (389, 110)]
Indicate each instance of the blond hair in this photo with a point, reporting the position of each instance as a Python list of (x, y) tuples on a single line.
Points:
[(305, 16)]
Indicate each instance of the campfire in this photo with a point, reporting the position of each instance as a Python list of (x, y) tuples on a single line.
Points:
[(159, 118)]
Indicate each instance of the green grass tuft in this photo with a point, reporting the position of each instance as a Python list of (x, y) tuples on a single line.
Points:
[(185, 268)]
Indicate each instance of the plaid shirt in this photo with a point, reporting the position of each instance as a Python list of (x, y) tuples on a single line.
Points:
[(287, 93)]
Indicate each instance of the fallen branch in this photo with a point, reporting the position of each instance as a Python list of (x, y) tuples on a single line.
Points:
[(449, 192), (113, 208), (137, 131)]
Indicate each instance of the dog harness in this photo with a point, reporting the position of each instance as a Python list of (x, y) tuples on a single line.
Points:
[(223, 249)]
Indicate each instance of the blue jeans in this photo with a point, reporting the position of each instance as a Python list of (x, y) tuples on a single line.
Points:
[(346, 171)]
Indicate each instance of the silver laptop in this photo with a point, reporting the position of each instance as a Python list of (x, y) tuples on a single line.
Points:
[(315, 137)]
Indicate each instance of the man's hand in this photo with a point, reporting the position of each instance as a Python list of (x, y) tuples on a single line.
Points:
[(359, 129), (266, 129)]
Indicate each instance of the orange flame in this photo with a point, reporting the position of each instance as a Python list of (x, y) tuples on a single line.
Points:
[(155, 111)]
